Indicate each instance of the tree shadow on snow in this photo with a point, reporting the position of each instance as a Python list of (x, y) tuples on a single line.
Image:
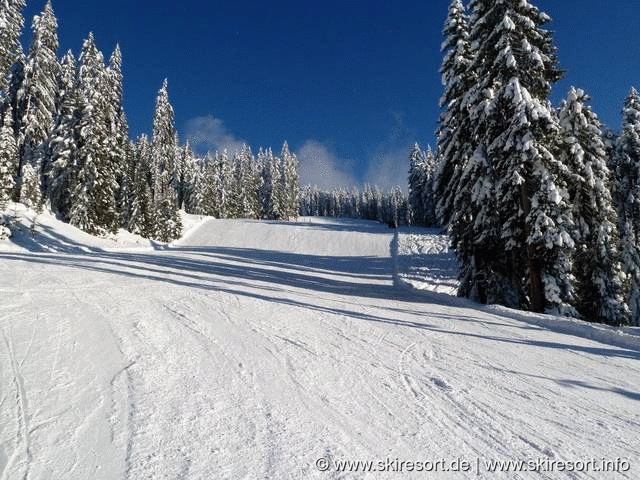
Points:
[(299, 279)]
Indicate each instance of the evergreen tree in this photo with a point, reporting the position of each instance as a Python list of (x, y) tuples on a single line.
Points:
[(140, 220), (11, 24), (518, 204), (208, 187), (93, 200), (271, 191), (416, 182), (223, 182), (15, 79), (627, 164), (252, 181), (118, 146), (163, 150), (428, 189), (37, 95), (597, 269), (8, 159), (189, 170), (290, 185), (184, 165), (235, 193), (455, 133), (626, 168), (63, 145)]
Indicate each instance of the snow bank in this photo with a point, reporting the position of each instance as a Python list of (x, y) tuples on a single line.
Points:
[(424, 263), (623, 337), (43, 232)]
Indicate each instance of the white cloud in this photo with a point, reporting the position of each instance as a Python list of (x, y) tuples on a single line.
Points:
[(389, 168), (389, 165), (318, 166), (210, 134)]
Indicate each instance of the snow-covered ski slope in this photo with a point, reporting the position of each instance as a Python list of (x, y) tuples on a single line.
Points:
[(255, 350)]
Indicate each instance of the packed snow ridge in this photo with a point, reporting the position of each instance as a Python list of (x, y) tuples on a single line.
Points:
[(251, 349)]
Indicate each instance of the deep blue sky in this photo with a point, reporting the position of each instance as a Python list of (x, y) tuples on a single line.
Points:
[(350, 84)]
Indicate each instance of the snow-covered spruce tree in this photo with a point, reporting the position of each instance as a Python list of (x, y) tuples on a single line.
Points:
[(599, 278), (627, 163), (271, 191), (16, 76), (224, 184), (253, 182), (194, 185), (290, 183), (185, 164), (235, 192), (516, 250), (455, 134), (31, 195), (395, 208), (206, 187), (429, 199), (416, 182), (93, 200), (119, 147), (246, 181), (125, 174), (140, 220), (626, 168), (167, 224), (63, 144), (8, 158), (11, 24), (37, 96)]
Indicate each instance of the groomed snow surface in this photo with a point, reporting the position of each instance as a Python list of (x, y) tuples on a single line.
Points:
[(258, 350)]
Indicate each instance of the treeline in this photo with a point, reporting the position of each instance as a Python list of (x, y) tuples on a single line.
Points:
[(64, 144), (371, 203), (541, 204)]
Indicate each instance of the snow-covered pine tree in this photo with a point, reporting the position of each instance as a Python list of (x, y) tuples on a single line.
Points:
[(235, 192), (416, 182), (63, 144), (192, 175), (253, 182), (37, 96), (224, 184), (455, 134), (271, 191), (626, 168), (627, 163), (290, 183), (396, 208), (429, 200), (516, 252), (185, 163), (140, 220), (206, 193), (93, 200), (125, 180), (119, 147), (11, 24), (167, 223), (16, 76), (600, 281), (8, 158)]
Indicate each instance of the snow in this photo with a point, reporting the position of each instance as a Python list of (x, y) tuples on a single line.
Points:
[(424, 261), (43, 232), (250, 349)]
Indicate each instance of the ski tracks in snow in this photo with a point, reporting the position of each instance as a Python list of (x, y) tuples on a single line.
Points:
[(263, 347)]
